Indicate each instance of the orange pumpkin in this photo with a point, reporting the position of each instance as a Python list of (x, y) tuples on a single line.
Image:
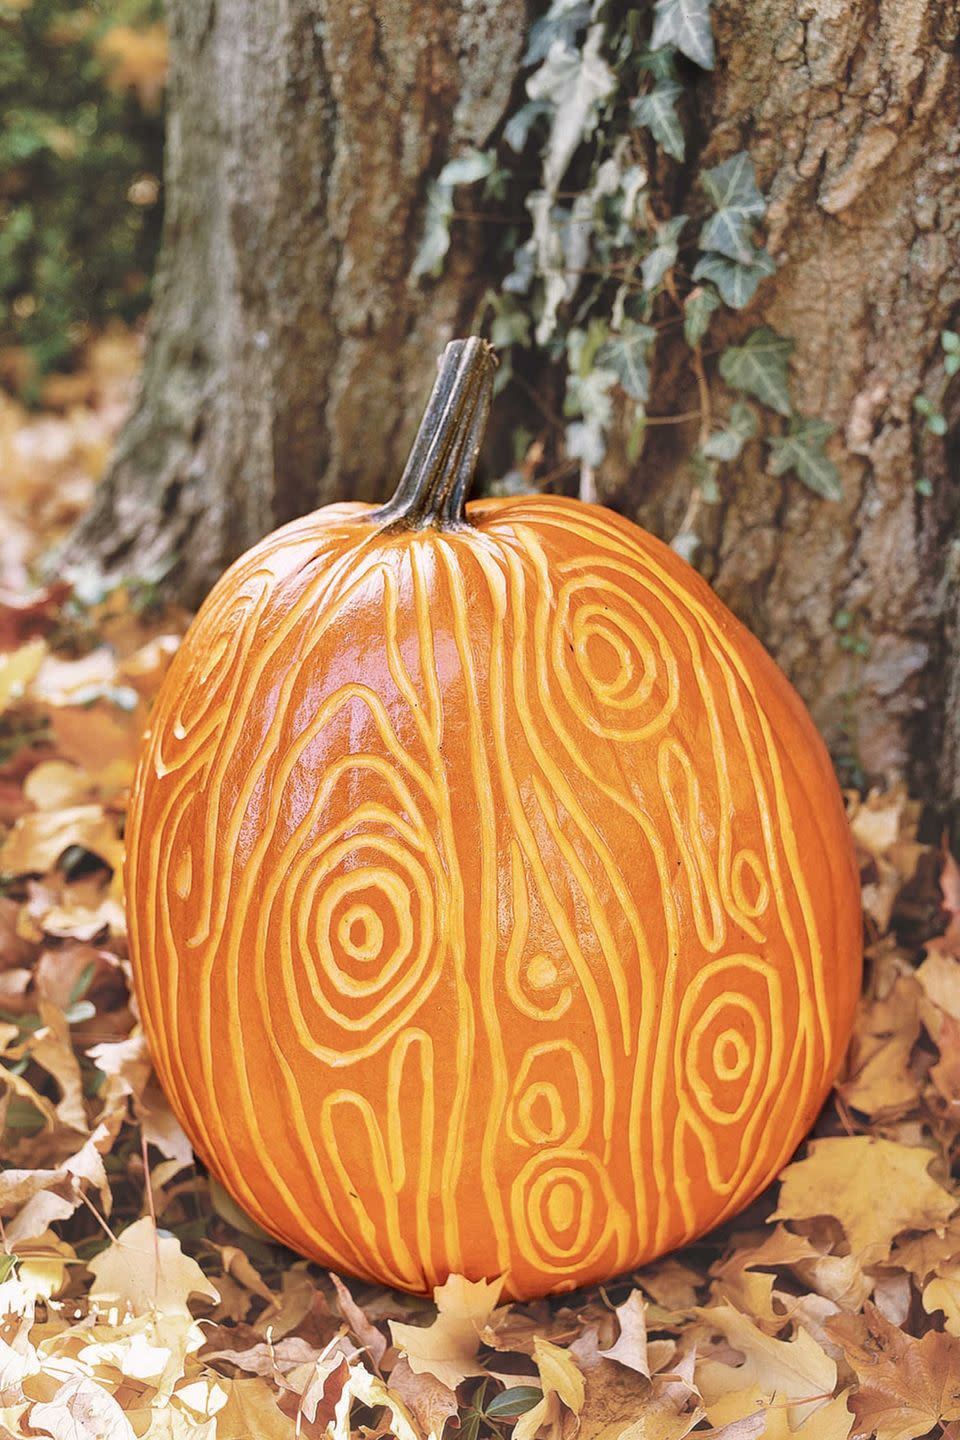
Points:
[(491, 900)]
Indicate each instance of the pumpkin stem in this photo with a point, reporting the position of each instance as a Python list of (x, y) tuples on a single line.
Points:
[(433, 488)]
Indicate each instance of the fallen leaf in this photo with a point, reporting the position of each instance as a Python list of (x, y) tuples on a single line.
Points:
[(37, 841), (631, 1345), (907, 1386), (430, 1402), (148, 1271), (797, 1369), (82, 1410), (18, 669), (368, 1335), (563, 1387), (448, 1347), (876, 1188)]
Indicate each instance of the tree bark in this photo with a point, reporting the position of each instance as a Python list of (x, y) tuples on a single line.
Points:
[(291, 349), (849, 112)]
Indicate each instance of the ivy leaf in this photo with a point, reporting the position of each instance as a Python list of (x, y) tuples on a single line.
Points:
[(697, 310), (473, 165), (685, 24), (759, 368), (574, 81), (436, 230), (801, 450), (517, 129), (737, 283), (664, 253), (657, 112), (561, 22), (727, 444), (738, 204), (626, 356)]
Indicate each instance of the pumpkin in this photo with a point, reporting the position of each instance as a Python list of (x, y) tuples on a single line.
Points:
[(492, 905)]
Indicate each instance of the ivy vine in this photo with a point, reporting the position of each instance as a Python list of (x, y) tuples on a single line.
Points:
[(599, 270)]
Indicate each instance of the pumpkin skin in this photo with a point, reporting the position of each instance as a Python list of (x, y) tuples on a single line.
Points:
[(492, 905)]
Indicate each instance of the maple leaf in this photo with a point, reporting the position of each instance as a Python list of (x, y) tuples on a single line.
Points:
[(741, 1280), (907, 1386), (875, 1188), (447, 1349), (796, 1369), (148, 1271)]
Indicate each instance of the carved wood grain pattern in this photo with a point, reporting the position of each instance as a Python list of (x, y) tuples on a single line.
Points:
[(482, 920)]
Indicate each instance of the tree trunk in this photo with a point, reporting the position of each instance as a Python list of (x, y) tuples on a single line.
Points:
[(849, 112), (291, 349)]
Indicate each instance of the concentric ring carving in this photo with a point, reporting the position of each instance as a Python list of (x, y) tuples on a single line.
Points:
[(467, 903)]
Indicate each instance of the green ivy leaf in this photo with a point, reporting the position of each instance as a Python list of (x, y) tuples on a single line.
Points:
[(737, 283), (626, 356), (697, 310), (657, 112), (738, 205), (685, 24), (574, 82), (801, 450), (725, 445), (664, 253), (759, 368)]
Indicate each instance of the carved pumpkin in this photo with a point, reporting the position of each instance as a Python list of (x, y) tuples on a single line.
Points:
[(491, 900)]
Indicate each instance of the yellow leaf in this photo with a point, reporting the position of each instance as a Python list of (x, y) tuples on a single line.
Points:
[(369, 1390), (832, 1421), (37, 841), (448, 1347), (796, 1369), (560, 1373), (148, 1272), (943, 1293), (18, 669), (875, 1188)]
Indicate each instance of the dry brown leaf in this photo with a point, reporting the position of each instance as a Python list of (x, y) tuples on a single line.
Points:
[(18, 669), (430, 1402), (37, 841), (797, 1369), (742, 1277), (369, 1336), (943, 1293), (148, 1272), (907, 1386), (631, 1345), (876, 1188), (447, 1349), (82, 1410), (563, 1390)]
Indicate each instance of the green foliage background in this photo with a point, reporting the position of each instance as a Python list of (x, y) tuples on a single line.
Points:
[(79, 163)]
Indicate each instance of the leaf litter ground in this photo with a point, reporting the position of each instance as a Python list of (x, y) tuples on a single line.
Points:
[(136, 1301)]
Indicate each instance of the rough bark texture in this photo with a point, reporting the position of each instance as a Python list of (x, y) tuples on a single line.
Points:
[(849, 109), (291, 350), (290, 347)]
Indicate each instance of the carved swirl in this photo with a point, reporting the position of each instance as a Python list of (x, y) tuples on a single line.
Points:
[(468, 901)]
